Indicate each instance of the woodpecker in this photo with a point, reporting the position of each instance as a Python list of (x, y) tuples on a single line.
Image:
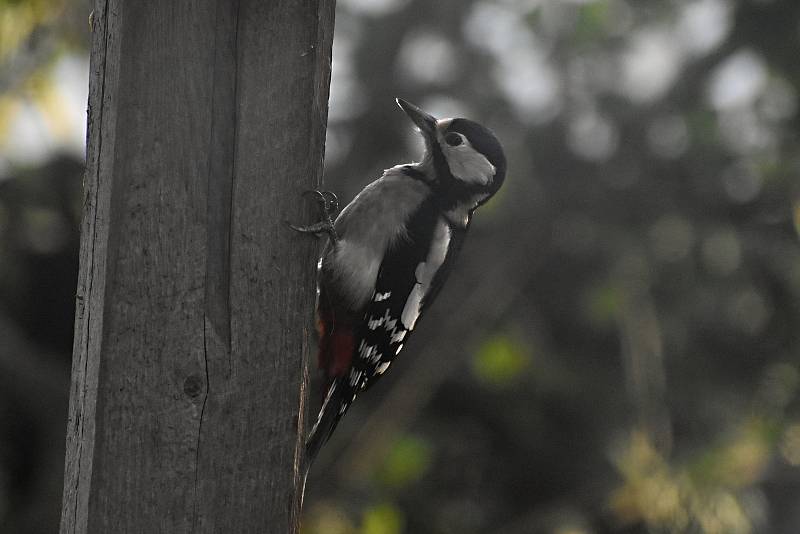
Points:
[(389, 252)]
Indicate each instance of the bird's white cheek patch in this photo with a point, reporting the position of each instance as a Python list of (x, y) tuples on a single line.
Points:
[(469, 165)]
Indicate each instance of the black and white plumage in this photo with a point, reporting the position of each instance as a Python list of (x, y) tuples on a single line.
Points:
[(393, 248)]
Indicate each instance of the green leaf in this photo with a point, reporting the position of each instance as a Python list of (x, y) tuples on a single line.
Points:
[(601, 304), (500, 361), (592, 20), (407, 462), (382, 519)]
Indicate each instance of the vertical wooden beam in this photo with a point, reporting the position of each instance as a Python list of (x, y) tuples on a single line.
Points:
[(207, 119)]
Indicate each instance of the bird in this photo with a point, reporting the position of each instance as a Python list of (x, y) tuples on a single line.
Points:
[(388, 254)]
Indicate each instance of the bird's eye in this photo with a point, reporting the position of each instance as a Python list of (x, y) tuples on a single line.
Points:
[(453, 139)]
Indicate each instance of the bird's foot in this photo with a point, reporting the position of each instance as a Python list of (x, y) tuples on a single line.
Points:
[(328, 205)]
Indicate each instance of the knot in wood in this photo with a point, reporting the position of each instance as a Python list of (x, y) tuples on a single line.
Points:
[(193, 385)]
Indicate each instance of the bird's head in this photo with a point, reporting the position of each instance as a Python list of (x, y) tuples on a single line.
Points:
[(460, 154)]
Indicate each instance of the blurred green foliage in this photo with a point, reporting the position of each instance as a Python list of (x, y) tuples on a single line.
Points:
[(593, 19), (382, 519), (407, 462), (34, 35), (500, 360), (601, 305)]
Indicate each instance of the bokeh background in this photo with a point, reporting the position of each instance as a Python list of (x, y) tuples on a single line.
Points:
[(618, 350)]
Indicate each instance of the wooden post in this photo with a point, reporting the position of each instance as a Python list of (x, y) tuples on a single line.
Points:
[(206, 122)]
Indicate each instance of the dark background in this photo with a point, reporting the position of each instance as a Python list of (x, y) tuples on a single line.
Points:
[(618, 349)]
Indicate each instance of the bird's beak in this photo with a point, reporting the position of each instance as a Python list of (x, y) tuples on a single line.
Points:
[(426, 123)]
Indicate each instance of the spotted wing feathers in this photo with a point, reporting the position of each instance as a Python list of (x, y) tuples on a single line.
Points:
[(408, 279)]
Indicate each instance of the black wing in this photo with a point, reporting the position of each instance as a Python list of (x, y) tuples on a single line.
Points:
[(410, 277)]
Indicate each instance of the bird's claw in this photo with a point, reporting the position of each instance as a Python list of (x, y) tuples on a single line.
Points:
[(328, 206), (327, 201)]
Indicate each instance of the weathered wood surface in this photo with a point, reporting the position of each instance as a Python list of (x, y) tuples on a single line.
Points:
[(207, 120)]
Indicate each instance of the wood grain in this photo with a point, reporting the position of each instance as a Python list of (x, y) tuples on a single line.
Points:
[(207, 119)]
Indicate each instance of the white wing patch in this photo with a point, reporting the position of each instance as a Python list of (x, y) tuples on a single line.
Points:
[(412, 307), (425, 273)]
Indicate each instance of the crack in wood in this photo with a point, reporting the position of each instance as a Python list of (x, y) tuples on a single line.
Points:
[(221, 173)]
